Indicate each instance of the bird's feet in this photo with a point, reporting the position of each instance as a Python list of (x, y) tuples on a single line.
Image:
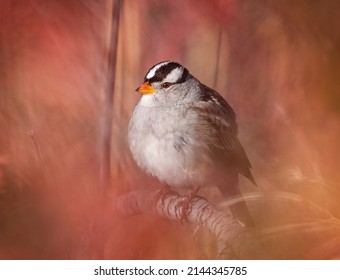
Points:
[(164, 192), (186, 204)]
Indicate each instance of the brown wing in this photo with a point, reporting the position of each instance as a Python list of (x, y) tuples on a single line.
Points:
[(218, 120)]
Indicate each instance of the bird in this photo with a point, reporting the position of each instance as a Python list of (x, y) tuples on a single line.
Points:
[(185, 134)]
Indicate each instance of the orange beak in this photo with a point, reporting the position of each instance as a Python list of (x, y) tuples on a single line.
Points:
[(146, 88)]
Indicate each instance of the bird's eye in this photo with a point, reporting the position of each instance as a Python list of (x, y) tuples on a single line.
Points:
[(166, 85)]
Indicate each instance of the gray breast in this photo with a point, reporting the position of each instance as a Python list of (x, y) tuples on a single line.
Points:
[(159, 144)]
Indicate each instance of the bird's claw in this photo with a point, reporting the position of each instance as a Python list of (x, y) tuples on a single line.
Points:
[(164, 192), (186, 204)]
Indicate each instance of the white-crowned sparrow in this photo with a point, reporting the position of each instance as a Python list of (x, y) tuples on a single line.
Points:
[(185, 134)]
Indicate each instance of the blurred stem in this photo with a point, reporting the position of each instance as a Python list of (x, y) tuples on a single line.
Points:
[(36, 145), (105, 165), (218, 55)]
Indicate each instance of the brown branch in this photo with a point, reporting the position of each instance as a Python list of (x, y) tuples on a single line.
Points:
[(233, 240)]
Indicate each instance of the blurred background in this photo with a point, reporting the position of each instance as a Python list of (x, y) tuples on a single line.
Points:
[(63, 140)]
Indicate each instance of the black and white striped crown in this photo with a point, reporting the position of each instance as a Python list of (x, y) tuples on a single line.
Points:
[(168, 71)]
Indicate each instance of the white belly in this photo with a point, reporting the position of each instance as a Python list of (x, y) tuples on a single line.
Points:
[(163, 152)]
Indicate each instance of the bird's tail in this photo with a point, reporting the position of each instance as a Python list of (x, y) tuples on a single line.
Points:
[(239, 208), (241, 211)]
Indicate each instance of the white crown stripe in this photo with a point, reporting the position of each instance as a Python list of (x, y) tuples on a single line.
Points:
[(175, 75), (153, 70)]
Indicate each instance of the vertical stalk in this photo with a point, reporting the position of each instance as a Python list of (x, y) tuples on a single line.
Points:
[(105, 164), (218, 54)]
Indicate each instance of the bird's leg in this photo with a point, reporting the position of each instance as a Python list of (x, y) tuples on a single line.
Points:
[(186, 204), (164, 192), (190, 197), (193, 193)]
